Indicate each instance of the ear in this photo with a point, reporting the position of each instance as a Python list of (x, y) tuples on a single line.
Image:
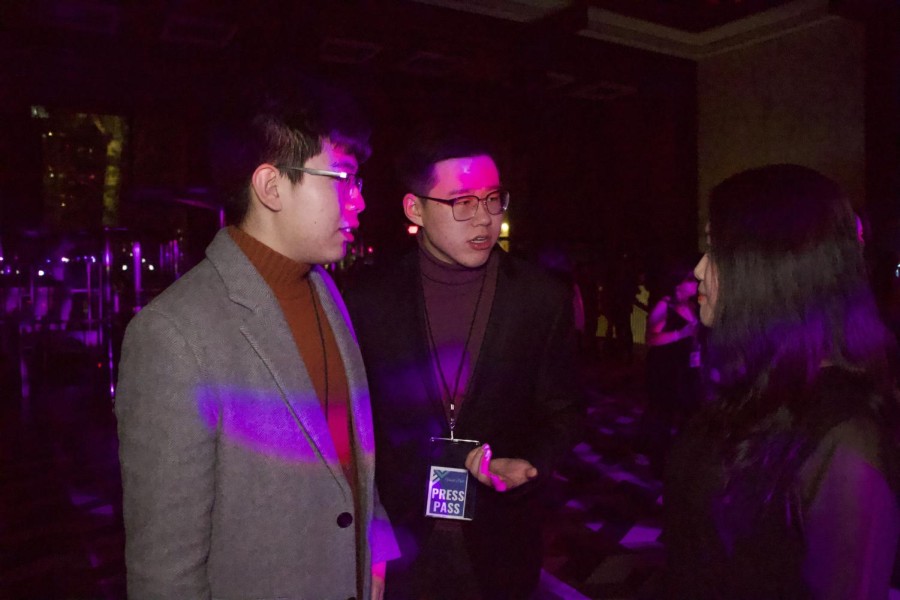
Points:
[(264, 182), (412, 208)]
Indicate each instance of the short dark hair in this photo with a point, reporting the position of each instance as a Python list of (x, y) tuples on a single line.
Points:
[(283, 125), (436, 142)]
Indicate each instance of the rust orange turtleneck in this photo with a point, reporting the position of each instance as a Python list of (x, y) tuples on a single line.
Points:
[(289, 281)]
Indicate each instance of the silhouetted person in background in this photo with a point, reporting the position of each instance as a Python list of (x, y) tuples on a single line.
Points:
[(556, 261), (586, 280), (620, 289), (672, 362)]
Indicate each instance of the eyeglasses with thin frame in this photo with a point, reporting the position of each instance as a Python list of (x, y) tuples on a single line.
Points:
[(465, 208), (352, 179)]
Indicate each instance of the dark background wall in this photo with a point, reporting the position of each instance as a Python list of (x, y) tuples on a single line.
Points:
[(599, 139)]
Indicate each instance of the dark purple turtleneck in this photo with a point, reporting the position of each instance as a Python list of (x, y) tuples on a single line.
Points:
[(451, 297)]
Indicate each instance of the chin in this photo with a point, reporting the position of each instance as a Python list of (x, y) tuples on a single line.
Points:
[(330, 258), (474, 262)]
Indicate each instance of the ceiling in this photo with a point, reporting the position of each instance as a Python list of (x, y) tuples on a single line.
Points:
[(690, 29), (684, 28), (589, 49)]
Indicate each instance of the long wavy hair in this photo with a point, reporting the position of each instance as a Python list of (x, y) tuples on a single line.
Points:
[(793, 296)]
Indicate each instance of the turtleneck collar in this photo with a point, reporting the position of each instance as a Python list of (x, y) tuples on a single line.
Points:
[(284, 275), (438, 271)]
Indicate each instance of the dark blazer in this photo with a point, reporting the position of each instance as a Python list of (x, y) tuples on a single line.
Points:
[(524, 400), (232, 484)]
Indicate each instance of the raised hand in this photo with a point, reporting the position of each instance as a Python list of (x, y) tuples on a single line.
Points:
[(502, 474)]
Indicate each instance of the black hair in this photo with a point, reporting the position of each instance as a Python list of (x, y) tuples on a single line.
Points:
[(792, 296), (792, 285), (282, 122), (433, 143)]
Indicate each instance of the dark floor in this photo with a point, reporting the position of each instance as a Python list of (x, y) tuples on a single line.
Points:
[(60, 515), (60, 497), (602, 537)]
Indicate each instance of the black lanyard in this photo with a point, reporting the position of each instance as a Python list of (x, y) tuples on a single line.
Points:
[(451, 397)]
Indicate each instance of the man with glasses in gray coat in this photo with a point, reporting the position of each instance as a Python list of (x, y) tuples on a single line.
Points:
[(245, 429)]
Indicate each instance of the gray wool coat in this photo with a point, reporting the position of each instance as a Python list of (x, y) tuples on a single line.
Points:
[(232, 484)]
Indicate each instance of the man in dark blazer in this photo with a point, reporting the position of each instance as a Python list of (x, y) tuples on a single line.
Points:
[(459, 338), (245, 428)]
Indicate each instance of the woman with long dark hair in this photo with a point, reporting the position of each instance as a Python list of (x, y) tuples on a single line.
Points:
[(786, 485)]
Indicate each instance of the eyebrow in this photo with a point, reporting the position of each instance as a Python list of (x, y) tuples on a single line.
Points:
[(471, 192)]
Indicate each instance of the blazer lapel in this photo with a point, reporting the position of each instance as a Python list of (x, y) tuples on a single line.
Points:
[(495, 332), (268, 333), (360, 408)]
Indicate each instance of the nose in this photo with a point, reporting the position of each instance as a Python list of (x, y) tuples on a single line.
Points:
[(700, 269), (355, 201), (482, 216), (360, 202)]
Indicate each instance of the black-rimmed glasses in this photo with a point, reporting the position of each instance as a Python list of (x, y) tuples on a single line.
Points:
[(465, 207), (351, 178)]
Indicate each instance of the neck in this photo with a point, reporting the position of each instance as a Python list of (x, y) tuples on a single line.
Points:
[(429, 254), (282, 273)]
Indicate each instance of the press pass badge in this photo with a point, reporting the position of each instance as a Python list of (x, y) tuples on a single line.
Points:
[(450, 493)]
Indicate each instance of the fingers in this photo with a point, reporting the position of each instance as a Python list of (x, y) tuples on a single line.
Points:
[(473, 460), (485, 465), (478, 466), (496, 482), (478, 463)]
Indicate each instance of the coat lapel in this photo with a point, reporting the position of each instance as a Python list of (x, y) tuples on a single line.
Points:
[(489, 347), (360, 407), (268, 333)]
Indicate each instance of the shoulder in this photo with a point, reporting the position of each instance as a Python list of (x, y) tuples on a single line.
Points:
[(861, 436), (194, 298), (850, 430), (520, 274), (846, 410)]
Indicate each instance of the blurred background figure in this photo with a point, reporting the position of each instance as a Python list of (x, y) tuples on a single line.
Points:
[(620, 289), (786, 486), (587, 286), (672, 363), (557, 262)]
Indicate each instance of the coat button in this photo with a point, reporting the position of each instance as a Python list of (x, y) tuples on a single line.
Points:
[(344, 520)]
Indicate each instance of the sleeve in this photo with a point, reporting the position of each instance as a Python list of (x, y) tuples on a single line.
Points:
[(558, 403), (167, 456), (852, 525)]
